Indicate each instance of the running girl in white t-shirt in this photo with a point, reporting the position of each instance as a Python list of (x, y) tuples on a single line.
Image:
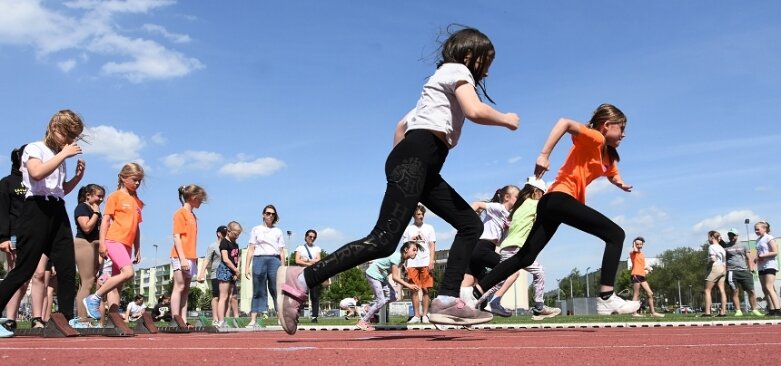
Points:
[(422, 141)]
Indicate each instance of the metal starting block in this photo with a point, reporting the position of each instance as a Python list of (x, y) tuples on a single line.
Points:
[(183, 327), (56, 327)]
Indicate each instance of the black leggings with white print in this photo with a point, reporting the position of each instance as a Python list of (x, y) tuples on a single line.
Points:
[(413, 175), (554, 209)]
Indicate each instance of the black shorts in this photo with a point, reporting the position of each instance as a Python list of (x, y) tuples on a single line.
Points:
[(215, 287), (638, 279), (769, 271)]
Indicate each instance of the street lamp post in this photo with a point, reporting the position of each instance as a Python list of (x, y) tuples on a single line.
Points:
[(155, 245), (587, 290), (289, 236), (691, 300), (558, 289), (570, 286)]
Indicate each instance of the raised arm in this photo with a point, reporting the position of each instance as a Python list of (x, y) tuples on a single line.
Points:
[(561, 127), (396, 275), (481, 113)]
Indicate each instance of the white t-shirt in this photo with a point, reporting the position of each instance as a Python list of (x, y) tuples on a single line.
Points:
[(763, 247), (438, 108), (314, 250), (495, 222), (136, 311), (717, 254), (267, 240), (347, 302), (52, 184), (427, 234)]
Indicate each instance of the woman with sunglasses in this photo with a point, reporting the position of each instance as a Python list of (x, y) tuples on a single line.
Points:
[(265, 254)]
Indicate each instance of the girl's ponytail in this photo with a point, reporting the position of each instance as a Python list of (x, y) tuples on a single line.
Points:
[(181, 195)]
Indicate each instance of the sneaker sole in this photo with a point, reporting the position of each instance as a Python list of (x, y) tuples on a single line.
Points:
[(281, 277), (627, 311), (454, 320), (541, 317)]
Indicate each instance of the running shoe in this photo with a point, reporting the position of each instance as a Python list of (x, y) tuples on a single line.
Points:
[(456, 313), (545, 312), (290, 296), (37, 322), (362, 325), (414, 320), (498, 309), (92, 305), (756, 312), (425, 320), (738, 313), (215, 322), (616, 305), (9, 324), (5, 333), (314, 320), (76, 324), (250, 325)]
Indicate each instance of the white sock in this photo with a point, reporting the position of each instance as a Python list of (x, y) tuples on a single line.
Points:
[(468, 297), (446, 300), (302, 282)]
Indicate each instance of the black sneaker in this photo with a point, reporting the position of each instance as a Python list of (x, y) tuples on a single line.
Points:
[(314, 320), (9, 324), (37, 322)]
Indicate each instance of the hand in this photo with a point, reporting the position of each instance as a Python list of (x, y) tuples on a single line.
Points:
[(6, 246), (81, 165), (71, 150), (102, 250), (431, 267), (541, 166), (201, 279), (184, 264), (414, 287), (248, 275), (137, 258), (624, 186), (512, 121)]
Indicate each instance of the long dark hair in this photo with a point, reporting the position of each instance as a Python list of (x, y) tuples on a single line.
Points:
[(603, 114), (469, 43), (16, 160), (88, 189), (526, 192)]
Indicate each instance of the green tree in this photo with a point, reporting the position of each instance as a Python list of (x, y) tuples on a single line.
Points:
[(681, 266)]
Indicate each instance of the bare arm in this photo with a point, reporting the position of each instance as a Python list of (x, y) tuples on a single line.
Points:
[(88, 223), (104, 225), (561, 127), (399, 131), (432, 250), (772, 250), (481, 113), (396, 275), (250, 251), (183, 262), (38, 169), (618, 182), (137, 246), (68, 186), (226, 259), (301, 261)]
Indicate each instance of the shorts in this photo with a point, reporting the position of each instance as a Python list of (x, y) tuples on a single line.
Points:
[(119, 254), (638, 279), (717, 273), (769, 271), (421, 277), (742, 278), (176, 266), (224, 274)]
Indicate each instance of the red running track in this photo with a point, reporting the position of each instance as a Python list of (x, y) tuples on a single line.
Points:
[(710, 345)]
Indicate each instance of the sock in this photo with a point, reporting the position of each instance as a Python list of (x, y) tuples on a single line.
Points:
[(446, 300), (538, 305), (605, 295), (302, 282)]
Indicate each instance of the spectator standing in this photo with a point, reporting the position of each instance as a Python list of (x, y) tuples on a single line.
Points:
[(738, 273), (307, 255), (420, 270)]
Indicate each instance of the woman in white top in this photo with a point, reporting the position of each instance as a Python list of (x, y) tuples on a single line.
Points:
[(717, 260), (265, 254), (767, 265)]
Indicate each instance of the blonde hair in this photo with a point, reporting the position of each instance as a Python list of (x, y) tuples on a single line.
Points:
[(130, 170), (65, 122), (234, 226), (607, 113), (765, 224), (190, 191)]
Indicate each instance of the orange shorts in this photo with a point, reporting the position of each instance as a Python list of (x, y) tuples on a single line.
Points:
[(420, 276)]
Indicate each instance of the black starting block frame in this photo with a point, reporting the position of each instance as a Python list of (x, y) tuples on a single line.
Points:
[(183, 327), (58, 327)]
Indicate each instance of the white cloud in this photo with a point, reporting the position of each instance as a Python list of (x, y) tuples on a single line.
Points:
[(94, 30), (67, 65), (159, 139), (618, 201), (330, 234), (596, 187), (191, 160), (724, 222), (173, 37), (446, 236), (647, 220), (514, 159), (114, 145), (258, 167)]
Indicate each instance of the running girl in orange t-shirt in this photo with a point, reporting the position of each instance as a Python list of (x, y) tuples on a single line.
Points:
[(593, 155), (119, 236), (183, 254)]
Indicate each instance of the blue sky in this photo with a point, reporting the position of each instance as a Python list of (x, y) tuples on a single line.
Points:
[(294, 104)]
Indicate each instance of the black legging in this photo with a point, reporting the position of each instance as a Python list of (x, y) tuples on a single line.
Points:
[(483, 256), (554, 209), (412, 171), (44, 228)]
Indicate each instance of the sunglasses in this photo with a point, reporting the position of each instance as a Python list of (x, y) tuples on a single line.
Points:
[(269, 213)]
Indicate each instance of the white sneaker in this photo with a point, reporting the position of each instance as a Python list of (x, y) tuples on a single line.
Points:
[(468, 296), (215, 323), (414, 320), (616, 305), (250, 325), (425, 320)]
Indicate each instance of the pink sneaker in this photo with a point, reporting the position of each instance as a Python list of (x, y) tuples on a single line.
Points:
[(289, 297), (362, 325), (457, 313)]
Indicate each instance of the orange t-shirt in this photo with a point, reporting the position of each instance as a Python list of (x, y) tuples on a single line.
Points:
[(638, 263), (583, 164), (125, 212), (186, 226)]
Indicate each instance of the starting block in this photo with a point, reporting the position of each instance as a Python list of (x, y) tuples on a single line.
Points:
[(183, 327), (146, 325), (56, 327)]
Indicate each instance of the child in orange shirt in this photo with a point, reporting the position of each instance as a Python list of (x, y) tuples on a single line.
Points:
[(183, 254), (639, 270), (119, 235), (593, 155)]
